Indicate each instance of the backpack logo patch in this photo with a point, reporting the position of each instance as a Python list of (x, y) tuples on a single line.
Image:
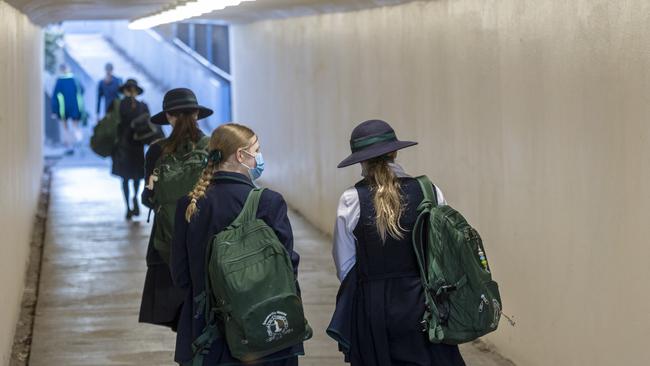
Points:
[(277, 326)]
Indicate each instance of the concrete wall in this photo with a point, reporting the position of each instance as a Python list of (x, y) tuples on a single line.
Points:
[(21, 121), (532, 116)]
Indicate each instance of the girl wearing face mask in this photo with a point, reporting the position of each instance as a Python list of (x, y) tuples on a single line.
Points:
[(218, 198)]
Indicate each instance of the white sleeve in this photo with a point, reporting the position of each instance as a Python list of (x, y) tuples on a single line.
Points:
[(347, 216), (440, 196)]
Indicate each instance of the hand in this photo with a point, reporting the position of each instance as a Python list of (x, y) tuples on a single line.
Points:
[(152, 180)]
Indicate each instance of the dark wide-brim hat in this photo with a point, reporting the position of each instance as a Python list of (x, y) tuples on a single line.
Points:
[(177, 100), (371, 139), (131, 83)]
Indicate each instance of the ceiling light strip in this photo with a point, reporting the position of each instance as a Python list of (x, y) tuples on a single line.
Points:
[(182, 12)]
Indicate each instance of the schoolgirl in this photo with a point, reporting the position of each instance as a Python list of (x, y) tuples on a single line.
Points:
[(378, 314), (215, 202), (161, 300), (128, 156)]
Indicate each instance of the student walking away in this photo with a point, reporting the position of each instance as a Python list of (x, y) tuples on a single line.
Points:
[(172, 168), (108, 89), (68, 104), (381, 303), (233, 252), (128, 155)]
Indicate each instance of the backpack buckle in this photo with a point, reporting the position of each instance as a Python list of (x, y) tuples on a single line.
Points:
[(441, 300), (425, 325)]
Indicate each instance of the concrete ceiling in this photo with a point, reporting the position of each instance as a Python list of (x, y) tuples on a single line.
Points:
[(45, 12)]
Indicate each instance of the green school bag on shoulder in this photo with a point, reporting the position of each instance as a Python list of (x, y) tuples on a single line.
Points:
[(462, 300), (104, 138), (177, 175), (251, 291)]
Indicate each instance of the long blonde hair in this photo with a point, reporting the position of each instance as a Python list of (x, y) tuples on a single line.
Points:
[(387, 197), (227, 139)]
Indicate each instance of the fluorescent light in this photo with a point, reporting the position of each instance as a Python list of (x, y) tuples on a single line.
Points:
[(181, 12)]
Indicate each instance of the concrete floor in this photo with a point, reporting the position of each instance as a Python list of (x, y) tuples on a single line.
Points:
[(93, 272)]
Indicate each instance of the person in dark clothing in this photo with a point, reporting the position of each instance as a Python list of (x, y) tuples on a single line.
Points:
[(377, 318), (161, 299), (108, 88), (128, 156), (216, 201)]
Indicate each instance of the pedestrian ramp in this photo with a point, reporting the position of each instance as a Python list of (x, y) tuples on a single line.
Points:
[(92, 51)]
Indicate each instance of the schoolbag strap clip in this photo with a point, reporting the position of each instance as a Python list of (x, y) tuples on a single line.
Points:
[(201, 345), (199, 302)]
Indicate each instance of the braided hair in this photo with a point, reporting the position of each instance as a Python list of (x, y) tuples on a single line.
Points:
[(225, 141)]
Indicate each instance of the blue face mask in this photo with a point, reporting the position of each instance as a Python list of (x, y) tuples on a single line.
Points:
[(257, 171)]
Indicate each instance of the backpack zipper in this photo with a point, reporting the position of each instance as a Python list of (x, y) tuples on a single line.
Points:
[(237, 259), (484, 301)]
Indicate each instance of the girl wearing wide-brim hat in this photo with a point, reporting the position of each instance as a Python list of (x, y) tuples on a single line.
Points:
[(128, 156), (161, 300), (381, 302)]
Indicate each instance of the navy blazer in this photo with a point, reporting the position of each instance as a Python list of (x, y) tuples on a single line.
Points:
[(222, 203)]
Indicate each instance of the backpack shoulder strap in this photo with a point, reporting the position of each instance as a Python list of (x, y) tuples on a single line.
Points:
[(428, 190), (249, 211)]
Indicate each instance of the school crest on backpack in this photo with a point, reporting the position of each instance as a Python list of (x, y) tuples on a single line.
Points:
[(277, 325)]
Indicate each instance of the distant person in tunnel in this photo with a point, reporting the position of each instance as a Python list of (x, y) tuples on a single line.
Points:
[(172, 167), (68, 104), (221, 195), (128, 156), (108, 89), (373, 249)]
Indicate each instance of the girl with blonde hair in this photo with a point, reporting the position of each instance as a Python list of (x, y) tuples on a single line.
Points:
[(381, 301), (235, 163)]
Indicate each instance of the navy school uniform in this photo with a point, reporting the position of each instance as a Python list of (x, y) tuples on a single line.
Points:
[(161, 299), (220, 206), (381, 301), (109, 91), (128, 156)]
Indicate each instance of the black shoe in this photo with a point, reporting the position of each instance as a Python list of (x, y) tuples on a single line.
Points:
[(136, 208), (129, 214)]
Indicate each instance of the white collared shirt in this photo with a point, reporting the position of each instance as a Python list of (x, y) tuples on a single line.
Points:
[(347, 216)]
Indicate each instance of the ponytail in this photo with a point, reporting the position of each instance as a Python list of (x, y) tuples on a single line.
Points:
[(387, 197), (186, 129)]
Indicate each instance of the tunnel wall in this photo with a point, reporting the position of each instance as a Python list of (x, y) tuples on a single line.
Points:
[(532, 116), (21, 121)]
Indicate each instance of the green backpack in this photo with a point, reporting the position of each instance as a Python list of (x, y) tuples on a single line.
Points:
[(462, 301), (177, 175), (251, 290), (104, 138)]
